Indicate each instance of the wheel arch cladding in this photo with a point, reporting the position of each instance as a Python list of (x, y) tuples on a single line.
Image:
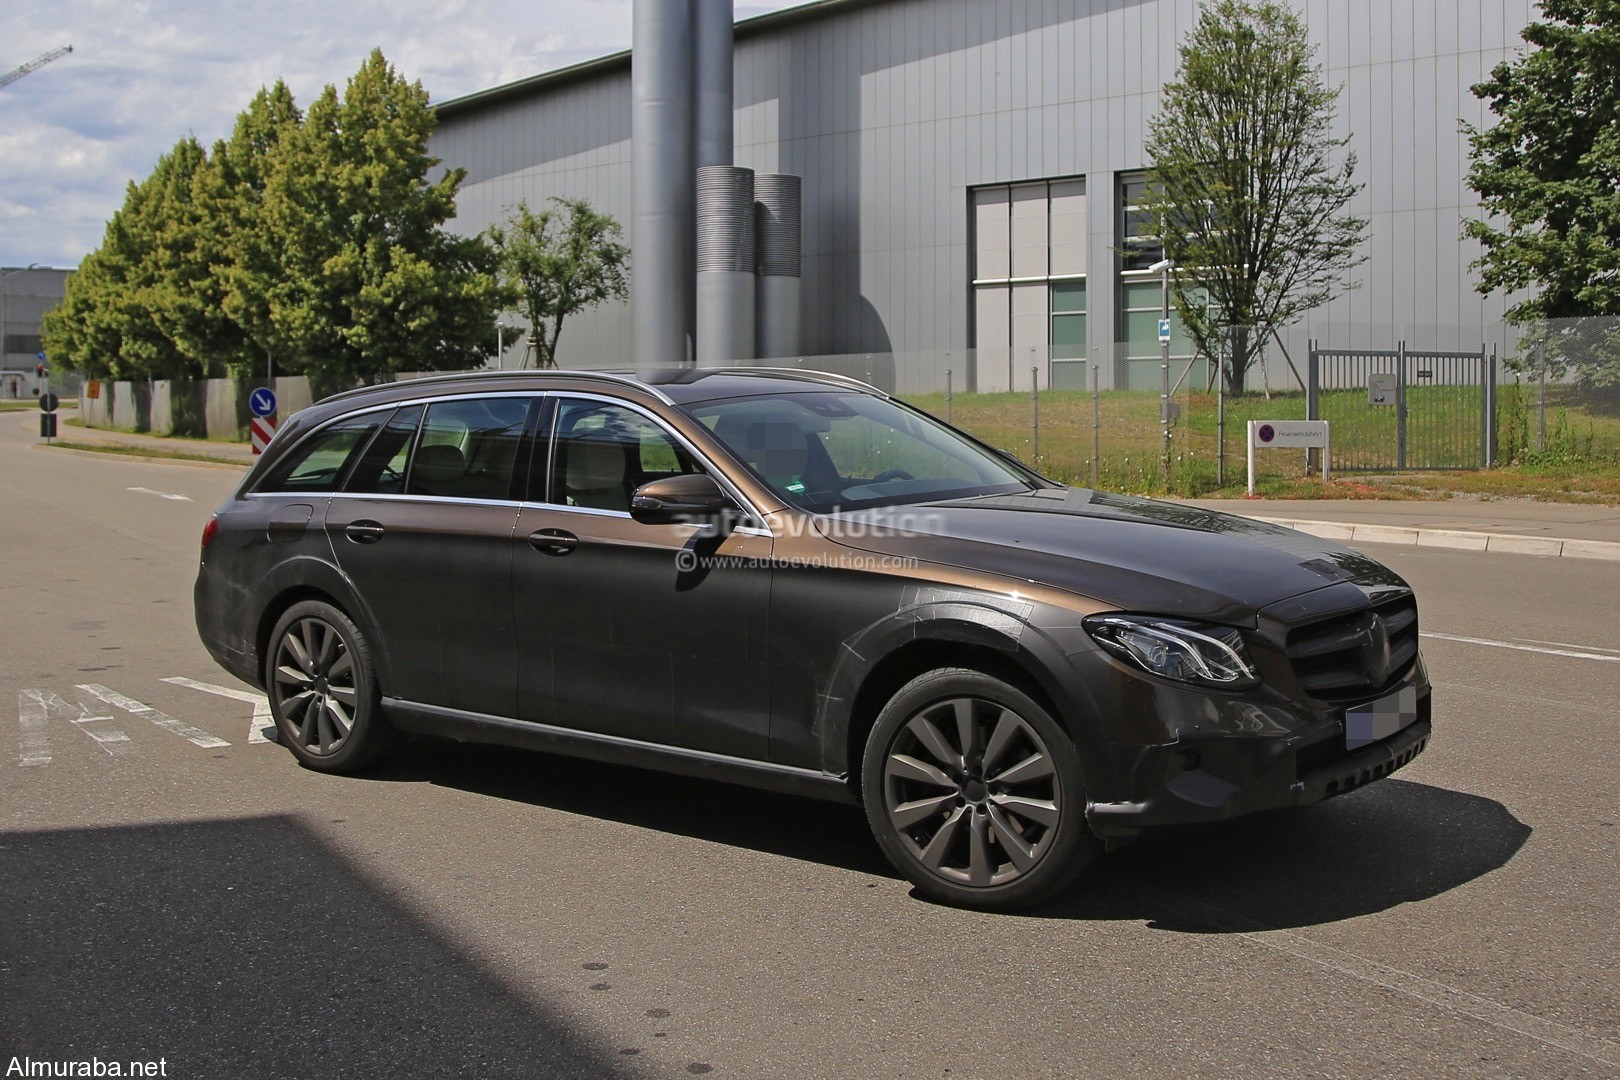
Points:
[(312, 579), (935, 628)]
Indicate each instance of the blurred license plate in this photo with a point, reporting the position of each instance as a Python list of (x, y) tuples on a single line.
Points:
[(1364, 724)]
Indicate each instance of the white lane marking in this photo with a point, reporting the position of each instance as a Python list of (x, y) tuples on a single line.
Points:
[(32, 714), (160, 494), (1525, 648), (163, 720), (1570, 645), (1297, 945), (261, 729)]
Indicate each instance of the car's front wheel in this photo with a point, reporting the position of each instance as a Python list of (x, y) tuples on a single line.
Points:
[(974, 792), (323, 692)]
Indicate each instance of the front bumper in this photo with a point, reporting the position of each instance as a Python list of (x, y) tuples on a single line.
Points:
[(1204, 778)]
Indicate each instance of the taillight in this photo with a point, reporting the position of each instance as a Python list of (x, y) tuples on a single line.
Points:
[(209, 530)]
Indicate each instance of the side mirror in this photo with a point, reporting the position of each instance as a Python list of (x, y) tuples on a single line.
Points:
[(689, 498)]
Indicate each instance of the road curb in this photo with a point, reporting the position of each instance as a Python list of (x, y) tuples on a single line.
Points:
[(1456, 539), (144, 459)]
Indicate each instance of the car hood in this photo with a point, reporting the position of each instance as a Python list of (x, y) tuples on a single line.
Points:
[(1129, 553)]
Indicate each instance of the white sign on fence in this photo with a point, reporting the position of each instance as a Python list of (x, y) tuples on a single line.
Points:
[(1287, 434), (1381, 389)]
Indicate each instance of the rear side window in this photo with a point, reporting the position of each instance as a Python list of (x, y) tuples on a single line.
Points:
[(468, 449), (381, 469), (319, 462)]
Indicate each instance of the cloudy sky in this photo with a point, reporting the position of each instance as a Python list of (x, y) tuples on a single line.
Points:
[(144, 73)]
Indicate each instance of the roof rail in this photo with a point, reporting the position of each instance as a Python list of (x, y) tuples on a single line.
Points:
[(832, 378), (546, 375)]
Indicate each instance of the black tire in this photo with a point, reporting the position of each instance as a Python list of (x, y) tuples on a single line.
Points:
[(1000, 827), (323, 691)]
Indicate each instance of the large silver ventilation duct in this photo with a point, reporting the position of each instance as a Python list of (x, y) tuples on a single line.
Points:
[(779, 303), (711, 25), (662, 282), (725, 264)]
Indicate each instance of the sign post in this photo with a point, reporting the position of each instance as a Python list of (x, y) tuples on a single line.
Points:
[(262, 428), (47, 416), (1266, 434)]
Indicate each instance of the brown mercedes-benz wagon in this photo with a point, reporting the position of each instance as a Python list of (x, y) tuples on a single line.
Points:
[(792, 580)]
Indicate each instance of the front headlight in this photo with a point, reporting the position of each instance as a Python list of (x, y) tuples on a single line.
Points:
[(1189, 652)]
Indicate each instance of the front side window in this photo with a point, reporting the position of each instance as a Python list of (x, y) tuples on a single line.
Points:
[(830, 451), (319, 462), (603, 452)]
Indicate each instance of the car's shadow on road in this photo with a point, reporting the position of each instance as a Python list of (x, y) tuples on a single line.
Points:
[(1393, 843), (797, 828)]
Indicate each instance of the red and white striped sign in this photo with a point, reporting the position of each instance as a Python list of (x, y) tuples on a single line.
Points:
[(262, 429)]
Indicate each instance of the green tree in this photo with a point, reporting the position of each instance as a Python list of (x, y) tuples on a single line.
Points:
[(1251, 186), (558, 262), (230, 190), (114, 317), (1548, 171), (367, 282)]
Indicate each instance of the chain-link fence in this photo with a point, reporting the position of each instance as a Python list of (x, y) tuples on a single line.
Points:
[(1560, 398), (1404, 399)]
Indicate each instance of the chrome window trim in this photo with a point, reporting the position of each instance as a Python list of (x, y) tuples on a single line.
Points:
[(703, 459), (391, 407)]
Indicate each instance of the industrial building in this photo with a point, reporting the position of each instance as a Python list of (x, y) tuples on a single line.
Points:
[(970, 170), (26, 293)]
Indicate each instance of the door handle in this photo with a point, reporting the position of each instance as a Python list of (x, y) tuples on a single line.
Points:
[(553, 541), (364, 532)]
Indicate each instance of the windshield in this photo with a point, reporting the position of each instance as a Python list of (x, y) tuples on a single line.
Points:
[(831, 450)]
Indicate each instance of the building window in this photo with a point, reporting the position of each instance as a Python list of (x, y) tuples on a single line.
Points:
[(23, 343), (1029, 285), (1141, 301)]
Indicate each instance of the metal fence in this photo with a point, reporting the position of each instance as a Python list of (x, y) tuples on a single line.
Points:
[(1402, 409)]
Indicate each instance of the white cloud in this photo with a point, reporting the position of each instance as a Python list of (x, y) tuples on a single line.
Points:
[(145, 73)]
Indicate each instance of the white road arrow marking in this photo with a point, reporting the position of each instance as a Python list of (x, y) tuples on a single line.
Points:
[(261, 729), (32, 713), (162, 719), (161, 494)]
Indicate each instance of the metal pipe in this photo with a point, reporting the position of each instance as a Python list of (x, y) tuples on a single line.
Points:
[(713, 72), (663, 280), (778, 239), (725, 264)]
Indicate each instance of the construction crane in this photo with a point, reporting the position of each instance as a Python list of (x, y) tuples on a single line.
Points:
[(34, 65)]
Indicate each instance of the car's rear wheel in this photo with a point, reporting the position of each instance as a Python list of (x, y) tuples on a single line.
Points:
[(323, 692), (974, 792)]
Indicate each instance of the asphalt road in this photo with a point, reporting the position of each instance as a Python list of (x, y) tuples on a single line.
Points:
[(172, 889)]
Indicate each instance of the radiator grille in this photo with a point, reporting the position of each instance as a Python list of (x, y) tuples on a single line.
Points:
[(1353, 656)]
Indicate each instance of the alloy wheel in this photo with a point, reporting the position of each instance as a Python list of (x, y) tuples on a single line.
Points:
[(973, 791), (314, 685)]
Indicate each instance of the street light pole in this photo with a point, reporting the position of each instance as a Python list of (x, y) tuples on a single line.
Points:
[(1163, 268)]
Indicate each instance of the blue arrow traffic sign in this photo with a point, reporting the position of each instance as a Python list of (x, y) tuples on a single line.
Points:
[(262, 402)]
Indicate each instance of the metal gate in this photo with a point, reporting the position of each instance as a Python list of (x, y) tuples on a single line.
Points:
[(1401, 409)]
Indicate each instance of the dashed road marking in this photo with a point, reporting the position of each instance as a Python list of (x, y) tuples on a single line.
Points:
[(261, 729), (163, 720), (160, 494)]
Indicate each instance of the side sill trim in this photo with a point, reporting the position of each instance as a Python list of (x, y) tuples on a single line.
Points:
[(526, 735)]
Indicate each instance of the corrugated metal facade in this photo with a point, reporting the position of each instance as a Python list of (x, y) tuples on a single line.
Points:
[(895, 111)]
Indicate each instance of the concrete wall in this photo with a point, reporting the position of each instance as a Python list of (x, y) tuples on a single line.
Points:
[(151, 406), (893, 111)]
